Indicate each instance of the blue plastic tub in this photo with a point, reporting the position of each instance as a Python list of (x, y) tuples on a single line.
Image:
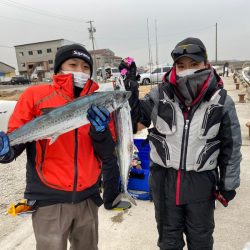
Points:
[(143, 152), (138, 184)]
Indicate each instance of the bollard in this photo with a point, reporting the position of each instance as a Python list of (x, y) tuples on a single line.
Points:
[(237, 85), (248, 125), (241, 98)]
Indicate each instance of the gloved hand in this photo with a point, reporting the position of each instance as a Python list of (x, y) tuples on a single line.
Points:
[(99, 117), (228, 195), (4, 144)]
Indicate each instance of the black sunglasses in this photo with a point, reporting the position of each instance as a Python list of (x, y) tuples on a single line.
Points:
[(187, 49)]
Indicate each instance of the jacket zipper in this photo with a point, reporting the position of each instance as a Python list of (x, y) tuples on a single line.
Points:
[(183, 157), (184, 144), (75, 167), (41, 168)]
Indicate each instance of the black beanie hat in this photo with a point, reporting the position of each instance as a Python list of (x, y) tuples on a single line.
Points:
[(72, 51)]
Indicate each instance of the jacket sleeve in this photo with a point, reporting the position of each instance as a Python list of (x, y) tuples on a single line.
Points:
[(15, 151), (23, 113), (230, 155), (141, 109), (103, 143)]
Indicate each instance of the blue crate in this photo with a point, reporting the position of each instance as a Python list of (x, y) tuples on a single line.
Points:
[(143, 152), (140, 183), (140, 195)]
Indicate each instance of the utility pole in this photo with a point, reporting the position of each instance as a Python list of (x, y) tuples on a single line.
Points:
[(92, 30), (156, 47), (216, 43), (149, 54)]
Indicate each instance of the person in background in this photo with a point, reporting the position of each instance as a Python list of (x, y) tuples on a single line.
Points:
[(62, 179), (195, 143), (226, 69)]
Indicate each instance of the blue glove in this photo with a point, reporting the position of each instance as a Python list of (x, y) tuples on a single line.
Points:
[(4, 144), (99, 117)]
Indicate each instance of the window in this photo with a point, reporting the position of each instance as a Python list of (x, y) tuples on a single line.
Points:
[(115, 71), (49, 50), (39, 51), (21, 54), (165, 69), (22, 64), (30, 53), (158, 70), (50, 61)]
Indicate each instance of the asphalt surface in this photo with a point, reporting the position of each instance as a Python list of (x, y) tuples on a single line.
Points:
[(135, 229)]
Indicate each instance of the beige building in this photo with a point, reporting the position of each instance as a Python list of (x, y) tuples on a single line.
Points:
[(6, 71), (105, 57), (36, 60)]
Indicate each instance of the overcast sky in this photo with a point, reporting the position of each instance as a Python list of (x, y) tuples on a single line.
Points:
[(121, 25)]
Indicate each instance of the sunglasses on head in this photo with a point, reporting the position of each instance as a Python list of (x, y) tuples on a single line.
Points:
[(187, 49)]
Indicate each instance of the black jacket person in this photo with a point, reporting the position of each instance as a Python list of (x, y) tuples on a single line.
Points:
[(195, 146)]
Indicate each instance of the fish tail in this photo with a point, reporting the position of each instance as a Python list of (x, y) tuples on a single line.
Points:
[(130, 198)]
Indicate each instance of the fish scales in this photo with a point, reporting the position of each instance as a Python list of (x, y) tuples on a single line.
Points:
[(125, 143), (67, 117)]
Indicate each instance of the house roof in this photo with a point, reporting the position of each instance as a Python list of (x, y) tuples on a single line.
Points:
[(5, 67), (40, 42)]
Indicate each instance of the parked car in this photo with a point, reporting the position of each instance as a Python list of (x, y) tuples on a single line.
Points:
[(219, 69), (112, 73), (19, 80), (155, 76)]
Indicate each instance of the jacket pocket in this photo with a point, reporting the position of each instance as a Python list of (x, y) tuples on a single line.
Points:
[(159, 149), (166, 118), (211, 122), (207, 158)]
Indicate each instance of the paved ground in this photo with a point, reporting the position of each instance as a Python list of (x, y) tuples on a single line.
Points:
[(135, 229)]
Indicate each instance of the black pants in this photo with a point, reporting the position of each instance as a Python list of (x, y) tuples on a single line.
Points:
[(111, 180), (195, 220)]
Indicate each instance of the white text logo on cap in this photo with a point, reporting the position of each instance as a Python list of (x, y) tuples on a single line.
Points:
[(79, 53)]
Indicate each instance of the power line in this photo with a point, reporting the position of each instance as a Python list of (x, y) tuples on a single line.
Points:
[(92, 30), (41, 12), (37, 23), (4, 46)]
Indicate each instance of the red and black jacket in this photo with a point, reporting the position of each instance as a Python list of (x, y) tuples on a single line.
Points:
[(69, 169)]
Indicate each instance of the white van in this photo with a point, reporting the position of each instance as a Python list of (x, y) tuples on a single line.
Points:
[(111, 73), (155, 76)]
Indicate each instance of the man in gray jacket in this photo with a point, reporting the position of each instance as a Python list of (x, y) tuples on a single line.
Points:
[(195, 147)]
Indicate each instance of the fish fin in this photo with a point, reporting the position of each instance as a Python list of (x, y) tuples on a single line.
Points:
[(130, 198), (117, 199), (53, 139)]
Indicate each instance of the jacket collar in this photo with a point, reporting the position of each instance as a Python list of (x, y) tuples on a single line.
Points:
[(64, 83), (213, 83)]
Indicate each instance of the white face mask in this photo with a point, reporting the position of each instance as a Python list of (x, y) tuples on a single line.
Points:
[(79, 78), (186, 72)]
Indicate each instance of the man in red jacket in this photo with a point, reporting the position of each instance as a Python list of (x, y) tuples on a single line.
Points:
[(63, 178)]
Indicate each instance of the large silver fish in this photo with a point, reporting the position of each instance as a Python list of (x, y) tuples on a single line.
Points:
[(67, 117), (125, 142)]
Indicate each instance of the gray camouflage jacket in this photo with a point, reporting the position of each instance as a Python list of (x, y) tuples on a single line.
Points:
[(201, 138)]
